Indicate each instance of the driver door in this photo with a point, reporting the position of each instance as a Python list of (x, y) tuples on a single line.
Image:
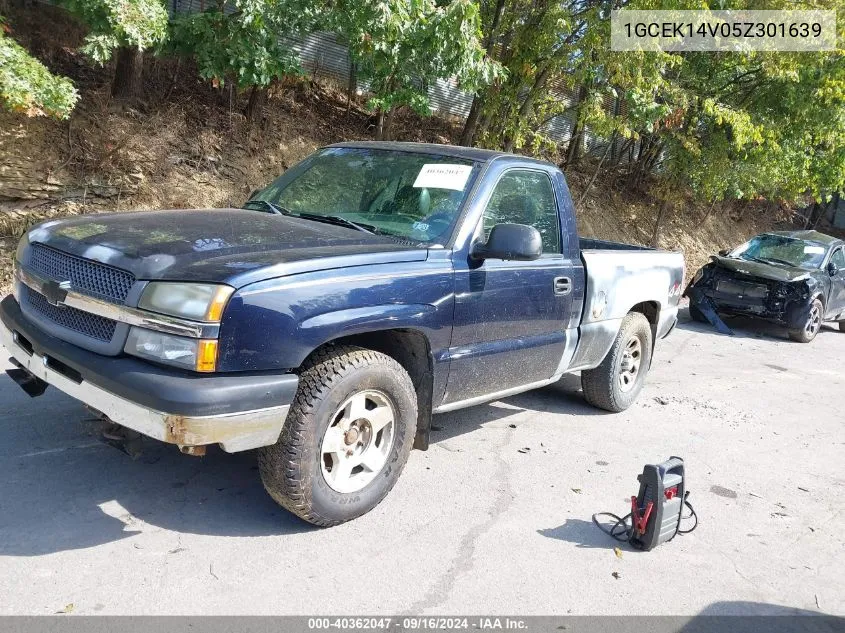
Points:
[(509, 326)]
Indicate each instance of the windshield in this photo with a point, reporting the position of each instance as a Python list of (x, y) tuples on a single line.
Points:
[(414, 197), (780, 249)]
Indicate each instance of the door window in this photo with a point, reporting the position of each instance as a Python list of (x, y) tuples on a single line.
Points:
[(839, 259), (525, 197)]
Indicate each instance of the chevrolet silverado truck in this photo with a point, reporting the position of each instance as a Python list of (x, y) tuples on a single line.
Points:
[(795, 279), (369, 287)]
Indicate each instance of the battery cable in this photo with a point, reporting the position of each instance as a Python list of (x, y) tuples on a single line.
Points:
[(623, 531)]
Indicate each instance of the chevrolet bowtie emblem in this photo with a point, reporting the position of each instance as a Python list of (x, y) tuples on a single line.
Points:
[(55, 292)]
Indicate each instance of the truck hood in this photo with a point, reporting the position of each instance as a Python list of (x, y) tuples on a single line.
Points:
[(759, 269), (234, 246)]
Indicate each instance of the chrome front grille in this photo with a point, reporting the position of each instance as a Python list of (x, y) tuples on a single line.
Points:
[(85, 275), (85, 323), (43, 302)]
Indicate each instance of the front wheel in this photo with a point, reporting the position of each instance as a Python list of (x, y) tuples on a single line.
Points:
[(615, 384), (812, 324), (346, 438)]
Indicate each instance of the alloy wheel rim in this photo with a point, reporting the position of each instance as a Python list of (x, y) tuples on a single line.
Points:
[(629, 367), (358, 441), (814, 323)]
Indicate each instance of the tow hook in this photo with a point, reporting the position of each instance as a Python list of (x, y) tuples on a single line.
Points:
[(196, 451)]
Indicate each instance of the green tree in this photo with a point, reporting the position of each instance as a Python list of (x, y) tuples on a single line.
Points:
[(401, 47), (27, 86), (241, 47), (127, 27)]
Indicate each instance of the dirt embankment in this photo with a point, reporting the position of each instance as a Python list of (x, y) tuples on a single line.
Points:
[(186, 145)]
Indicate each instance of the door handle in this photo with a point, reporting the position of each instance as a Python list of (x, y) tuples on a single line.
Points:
[(562, 285)]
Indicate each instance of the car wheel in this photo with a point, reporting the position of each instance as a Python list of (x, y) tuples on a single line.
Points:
[(697, 315), (812, 324), (615, 384), (346, 439)]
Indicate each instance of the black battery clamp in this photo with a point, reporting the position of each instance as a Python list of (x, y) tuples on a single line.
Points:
[(656, 511)]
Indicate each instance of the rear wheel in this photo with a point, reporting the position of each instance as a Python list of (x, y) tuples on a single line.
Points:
[(812, 324), (615, 384), (346, 438)]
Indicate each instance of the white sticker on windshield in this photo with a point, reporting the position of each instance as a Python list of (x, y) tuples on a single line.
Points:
[(443, 176), (814, 250)]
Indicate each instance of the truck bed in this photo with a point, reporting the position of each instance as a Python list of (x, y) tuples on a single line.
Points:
[(589, 244)]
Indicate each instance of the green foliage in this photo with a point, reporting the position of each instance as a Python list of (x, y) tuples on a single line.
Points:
[(27, 86), (117, 23), (725, 125), (402, 46), (241, 46)]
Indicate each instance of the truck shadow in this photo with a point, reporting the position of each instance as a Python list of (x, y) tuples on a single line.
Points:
[(62, 488), (563, 396)]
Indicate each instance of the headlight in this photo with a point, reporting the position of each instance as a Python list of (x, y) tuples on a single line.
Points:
[(188, 353), (200, 302), (22, 244), (16, 264)]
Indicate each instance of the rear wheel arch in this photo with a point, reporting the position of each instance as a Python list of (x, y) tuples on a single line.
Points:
[(651, 311)]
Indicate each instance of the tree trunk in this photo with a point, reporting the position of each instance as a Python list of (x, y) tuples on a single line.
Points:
[(128, 82), (573, 151), (657, 224), (380, 125), (255, 105), (351, 85), (471, 124), (387, 132), (593, 179), (527, 106), (709, 212)]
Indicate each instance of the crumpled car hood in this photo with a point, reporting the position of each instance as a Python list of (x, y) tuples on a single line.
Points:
[(759, 269)]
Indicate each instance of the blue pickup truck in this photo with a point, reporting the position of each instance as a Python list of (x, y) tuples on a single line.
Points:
[(366, 289)]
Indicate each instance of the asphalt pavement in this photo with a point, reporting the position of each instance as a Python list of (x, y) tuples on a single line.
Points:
[(495, 518)]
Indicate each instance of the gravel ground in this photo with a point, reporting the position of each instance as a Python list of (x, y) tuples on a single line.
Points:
[(494, 518)]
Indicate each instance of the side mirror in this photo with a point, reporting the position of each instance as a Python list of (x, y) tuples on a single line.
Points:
[(832, 269), (518, 242), (724, 252)]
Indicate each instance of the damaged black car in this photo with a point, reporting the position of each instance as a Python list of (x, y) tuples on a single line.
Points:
[(793, 278)]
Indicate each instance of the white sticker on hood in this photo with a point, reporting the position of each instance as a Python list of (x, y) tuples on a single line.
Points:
[(443, 176)]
